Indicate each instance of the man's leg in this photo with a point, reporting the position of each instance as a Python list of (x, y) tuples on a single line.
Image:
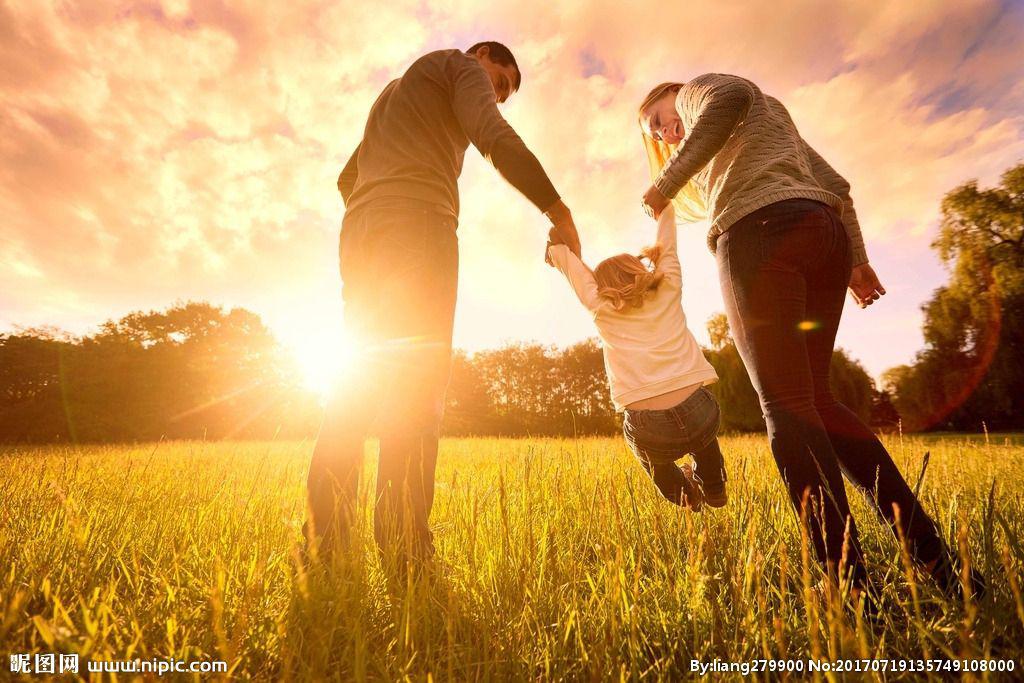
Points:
[(338, 454), (420, 284), (336, 465), (408, 460)]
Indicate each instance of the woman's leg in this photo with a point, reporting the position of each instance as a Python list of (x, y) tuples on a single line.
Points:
[(762, 266), (861, 455)]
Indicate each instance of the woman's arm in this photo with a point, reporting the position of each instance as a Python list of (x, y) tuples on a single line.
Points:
[(837, 184), (865, 286), (716, 103), (577, 273)]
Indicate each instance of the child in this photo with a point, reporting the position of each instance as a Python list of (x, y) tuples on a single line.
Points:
[(655, 368)]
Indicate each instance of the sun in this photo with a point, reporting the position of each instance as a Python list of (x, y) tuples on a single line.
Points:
[(321, 358)]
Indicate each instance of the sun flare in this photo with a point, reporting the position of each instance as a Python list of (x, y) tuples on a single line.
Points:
[(322, 358)]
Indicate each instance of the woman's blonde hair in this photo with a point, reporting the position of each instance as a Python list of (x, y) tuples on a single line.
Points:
[(624, 280), (688, 202)]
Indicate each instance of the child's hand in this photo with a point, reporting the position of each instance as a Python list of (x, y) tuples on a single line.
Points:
[(654, 202), (553, 239)]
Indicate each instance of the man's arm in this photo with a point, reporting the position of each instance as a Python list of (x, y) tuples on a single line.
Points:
[(348, 176), (830, 180), (721, 101), (476, 109)]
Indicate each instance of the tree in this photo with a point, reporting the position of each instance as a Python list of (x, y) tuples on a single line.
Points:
[(192, 371), (718, 331), (741, 408), (971, 370)]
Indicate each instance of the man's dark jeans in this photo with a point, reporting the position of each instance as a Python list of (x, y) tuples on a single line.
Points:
[(784, 271), (660, 437), (399, 267)]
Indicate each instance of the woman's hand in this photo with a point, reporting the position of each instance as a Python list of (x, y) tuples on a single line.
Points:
[(654, 202), (864, 285)]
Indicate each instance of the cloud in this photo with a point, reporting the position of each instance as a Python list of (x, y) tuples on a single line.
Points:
[(155, 151)]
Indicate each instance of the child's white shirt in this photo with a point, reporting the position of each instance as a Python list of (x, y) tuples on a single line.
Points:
[(648, 351)]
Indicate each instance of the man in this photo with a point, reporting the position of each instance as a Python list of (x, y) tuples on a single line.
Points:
[(399, 266)]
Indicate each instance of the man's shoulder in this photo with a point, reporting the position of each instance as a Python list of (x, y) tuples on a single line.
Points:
[(442, 57), (445, 65)]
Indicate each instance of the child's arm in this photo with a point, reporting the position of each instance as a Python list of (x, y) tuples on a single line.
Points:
[(669, 263), (578, 275)]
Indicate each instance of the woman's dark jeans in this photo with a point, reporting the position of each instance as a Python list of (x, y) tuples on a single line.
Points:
[(784, 271), (660, 437)]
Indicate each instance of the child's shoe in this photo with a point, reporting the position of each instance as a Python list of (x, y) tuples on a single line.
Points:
[(715, 494)]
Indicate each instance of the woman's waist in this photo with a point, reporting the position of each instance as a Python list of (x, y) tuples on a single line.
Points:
[(772, 207)]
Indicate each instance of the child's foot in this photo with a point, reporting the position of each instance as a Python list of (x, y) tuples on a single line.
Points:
[(715, 494), (692, 494)]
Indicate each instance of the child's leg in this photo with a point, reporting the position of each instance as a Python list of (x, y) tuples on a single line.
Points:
[(669, 478), (657, 441), (709, 466)]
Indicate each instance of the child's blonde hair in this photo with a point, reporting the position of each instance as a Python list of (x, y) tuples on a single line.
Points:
[(625, 280)]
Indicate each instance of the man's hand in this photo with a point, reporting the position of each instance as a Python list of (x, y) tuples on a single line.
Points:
[(563, 226), (864, 285), (553, 239), (654, 202)]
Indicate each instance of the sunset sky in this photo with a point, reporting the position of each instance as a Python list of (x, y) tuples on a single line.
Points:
[(162, 151)]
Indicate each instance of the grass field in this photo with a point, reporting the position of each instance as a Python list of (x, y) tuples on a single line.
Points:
[(556, 560)]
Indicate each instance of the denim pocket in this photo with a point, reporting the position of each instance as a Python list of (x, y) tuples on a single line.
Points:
[(659, 432), (702, 425)]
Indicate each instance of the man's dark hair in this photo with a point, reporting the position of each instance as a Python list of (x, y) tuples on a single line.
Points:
[(500, 54)]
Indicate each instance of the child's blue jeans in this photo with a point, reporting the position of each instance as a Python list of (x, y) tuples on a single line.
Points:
[(660, 437)]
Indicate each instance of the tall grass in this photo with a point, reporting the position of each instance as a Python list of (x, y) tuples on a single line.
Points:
[(556, 560)]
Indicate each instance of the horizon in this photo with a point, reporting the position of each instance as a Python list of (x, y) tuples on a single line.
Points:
[(164, 153)]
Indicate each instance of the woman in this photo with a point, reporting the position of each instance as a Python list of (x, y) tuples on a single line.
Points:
[(788, 245)]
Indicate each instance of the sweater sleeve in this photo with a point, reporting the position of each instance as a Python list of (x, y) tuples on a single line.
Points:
[(578, 275), (476, 109), (830, 180), (349, 175), (715, 103)]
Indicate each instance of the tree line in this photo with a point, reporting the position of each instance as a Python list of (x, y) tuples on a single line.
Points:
[(197, 370)]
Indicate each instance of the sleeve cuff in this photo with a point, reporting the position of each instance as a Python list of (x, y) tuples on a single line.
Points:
[(666, 187)]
